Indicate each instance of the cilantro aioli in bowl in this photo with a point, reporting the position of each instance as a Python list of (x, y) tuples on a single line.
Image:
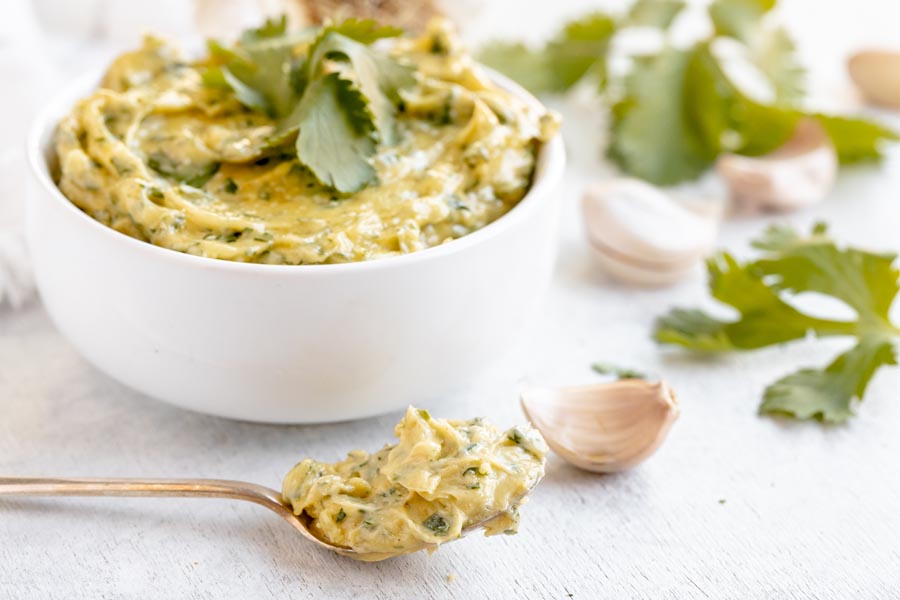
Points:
[(291, 343), (168, 152)]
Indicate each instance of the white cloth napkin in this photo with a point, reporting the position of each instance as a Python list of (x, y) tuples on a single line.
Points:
[(29, 75)]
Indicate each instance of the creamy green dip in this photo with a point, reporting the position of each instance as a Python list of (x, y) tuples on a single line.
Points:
[(159, 156), (441, 477)]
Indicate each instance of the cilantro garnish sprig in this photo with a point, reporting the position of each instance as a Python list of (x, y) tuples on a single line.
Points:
[(676, 110), (329, 90), (761, 291)]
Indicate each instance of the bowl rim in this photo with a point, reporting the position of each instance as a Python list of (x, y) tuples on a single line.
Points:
[(549, 168)]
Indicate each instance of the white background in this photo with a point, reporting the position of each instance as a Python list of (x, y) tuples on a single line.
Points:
[(732, 506)]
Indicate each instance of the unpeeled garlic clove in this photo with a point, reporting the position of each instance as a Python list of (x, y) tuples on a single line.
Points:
[(606, 427), (877, 75), (643, 236), (798, 174)]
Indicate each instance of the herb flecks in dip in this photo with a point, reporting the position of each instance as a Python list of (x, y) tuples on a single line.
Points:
[(441, 477), (163, 156)]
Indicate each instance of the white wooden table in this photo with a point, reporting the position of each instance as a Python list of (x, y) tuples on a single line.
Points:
[(733, 505)]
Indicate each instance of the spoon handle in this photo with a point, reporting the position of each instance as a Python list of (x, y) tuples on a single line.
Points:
[(177, 488), (163, 488)]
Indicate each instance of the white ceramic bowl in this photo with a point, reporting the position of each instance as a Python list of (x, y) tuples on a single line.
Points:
[(288, 344)]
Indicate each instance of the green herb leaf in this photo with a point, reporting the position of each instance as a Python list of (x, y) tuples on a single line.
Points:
[(856, 140), (865, 281), (678, 109), (774, 54), (527, 66), (761, 290), (437, 524), (378, 77), (726, 119), (193, 174), (333, 143), (653, 137), (327, 87), (578, 50), (654, 13), (619, 372), (827, 394), (738, 18), (581, 48), (272, 28), (365, 31), (261, 75)]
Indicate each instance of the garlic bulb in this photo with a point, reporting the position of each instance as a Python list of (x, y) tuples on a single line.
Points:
[(606, 427), (877, 75), (798, 174), (643, 236)]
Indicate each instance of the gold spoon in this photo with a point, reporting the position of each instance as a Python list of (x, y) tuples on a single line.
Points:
[(200, 488)]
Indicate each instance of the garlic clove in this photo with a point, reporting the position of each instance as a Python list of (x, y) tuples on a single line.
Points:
[(605, 427), (641, 235), (877, 75), (798, 174)]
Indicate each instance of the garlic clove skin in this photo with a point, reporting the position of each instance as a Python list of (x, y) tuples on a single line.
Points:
[(877, 75), (606, 427), (643, 236), (798, 174)]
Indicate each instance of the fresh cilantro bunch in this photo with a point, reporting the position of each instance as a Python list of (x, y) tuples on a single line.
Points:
[(761, 292), (330, 91), (674, 112)]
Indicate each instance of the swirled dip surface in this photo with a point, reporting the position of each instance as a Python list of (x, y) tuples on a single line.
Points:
[(440, 477), (157, 155)]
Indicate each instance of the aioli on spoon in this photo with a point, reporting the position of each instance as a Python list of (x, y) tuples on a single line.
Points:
[(197, 488)]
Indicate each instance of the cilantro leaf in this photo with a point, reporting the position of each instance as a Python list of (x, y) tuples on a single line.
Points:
[(260, 75), (578, 50), (272, 28), (677, 110), (827, 394), (529, 67), (365, 31), (618, 372), (378, 77), (193, 174), (738, 18), (856, 140), (654, 13), (774, 54), (765, 318), (653, 137), (761, 290), (327, 87), (330, 142), (726, 118), (865, 281)]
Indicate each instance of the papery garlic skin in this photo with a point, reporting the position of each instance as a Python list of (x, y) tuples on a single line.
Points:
[(643, 236), (877, 75), (604, 428), (798, 174)]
